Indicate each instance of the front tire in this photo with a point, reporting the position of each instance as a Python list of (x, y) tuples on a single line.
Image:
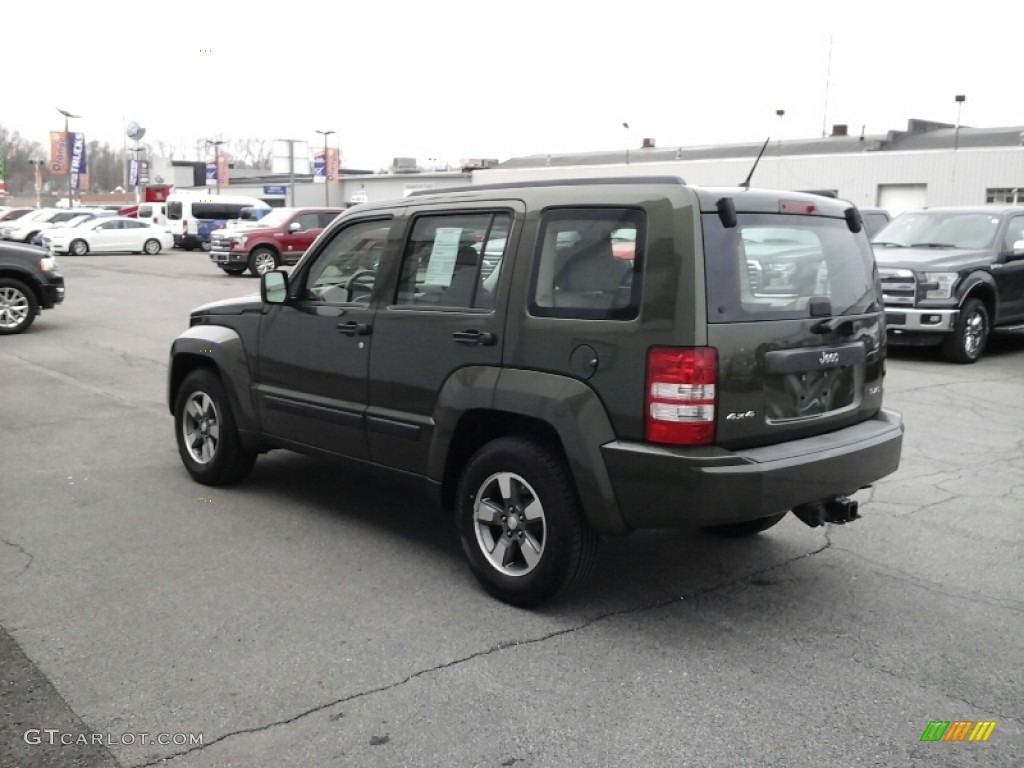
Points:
[(78, 247), (18, 306), (151, 247), (262, 260), (207, 435), (520, 523), (970, 336), (233, 271)]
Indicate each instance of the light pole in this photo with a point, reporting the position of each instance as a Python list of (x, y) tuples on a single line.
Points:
[(137, 151), (38, 166), (216, 158), (291, 168), (628, 140), (960, 99), (779, 113), (327, 177), (67, 147)]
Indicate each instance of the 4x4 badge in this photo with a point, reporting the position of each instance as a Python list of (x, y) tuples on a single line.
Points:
[(828, 358), (738, 416)]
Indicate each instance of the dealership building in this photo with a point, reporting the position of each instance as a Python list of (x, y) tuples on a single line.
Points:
[(928, 164)]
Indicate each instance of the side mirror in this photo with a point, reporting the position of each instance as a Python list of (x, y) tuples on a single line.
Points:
[(274, 287), (294, 226)]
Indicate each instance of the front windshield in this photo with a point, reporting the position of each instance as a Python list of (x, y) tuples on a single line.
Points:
[(79, 220), (276, 217), (938, 229)]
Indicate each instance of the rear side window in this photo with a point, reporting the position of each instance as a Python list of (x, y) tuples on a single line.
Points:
[(454, 260), (588, 264), (174, 211), (770, 267)]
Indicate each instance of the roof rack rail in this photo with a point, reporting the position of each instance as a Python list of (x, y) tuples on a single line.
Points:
[(573, 182)]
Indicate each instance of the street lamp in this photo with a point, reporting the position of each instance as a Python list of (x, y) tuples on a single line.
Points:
[(67, 145), (216, 158), (960, 99), (327, 178), (628, 140), (779, 113), (38, 165)]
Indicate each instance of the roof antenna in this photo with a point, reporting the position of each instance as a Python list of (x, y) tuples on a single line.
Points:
[(746, 182)]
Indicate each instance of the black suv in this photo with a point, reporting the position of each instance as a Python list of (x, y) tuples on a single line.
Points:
[(559, 360), (29, 282), (952, 275)]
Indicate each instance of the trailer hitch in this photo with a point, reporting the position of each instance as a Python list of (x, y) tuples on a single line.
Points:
[(837, 510)]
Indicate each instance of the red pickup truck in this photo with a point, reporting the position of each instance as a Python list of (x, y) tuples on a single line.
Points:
[(280, 237)]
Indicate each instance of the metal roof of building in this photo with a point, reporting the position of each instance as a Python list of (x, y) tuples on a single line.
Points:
[(920, 135)]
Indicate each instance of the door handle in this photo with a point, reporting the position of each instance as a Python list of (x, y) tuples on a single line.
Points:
[(352, 328), (475, 338)]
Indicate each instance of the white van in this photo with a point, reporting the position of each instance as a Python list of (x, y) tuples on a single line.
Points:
[(192, 216), (153, 213)]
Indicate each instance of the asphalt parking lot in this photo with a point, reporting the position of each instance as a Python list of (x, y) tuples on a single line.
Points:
[(314, 618)]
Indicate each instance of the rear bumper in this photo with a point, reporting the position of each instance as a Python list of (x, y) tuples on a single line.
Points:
[(658, 487)]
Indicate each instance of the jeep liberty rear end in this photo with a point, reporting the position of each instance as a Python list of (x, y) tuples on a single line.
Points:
[(563, 359)]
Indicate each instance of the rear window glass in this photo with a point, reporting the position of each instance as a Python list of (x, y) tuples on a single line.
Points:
[(174, 211), (770, 267)]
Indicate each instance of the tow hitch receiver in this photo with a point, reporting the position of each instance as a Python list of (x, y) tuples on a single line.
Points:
[(838, 510)]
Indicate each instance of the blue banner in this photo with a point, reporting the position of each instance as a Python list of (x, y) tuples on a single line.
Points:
[(79, 166), (319, 168), (211, 172), (133, 173)]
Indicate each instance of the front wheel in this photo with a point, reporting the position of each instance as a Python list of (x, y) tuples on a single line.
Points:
[(151, 247), (747, 527), (262, 260), (233, 271), (79, 247), (18, 306), (970, 335), (207, 435), (520, 524)]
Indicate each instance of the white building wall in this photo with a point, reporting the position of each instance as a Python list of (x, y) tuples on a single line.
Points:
[(952, 178)]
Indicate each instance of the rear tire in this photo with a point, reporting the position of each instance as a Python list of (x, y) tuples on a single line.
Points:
[(970, 336), (520, 523), (18, 306), (747, 527), (207, 434)]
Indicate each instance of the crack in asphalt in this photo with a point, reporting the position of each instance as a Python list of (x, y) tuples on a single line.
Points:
[(25, 552), (907, 679), (883, 569), (501, 646)]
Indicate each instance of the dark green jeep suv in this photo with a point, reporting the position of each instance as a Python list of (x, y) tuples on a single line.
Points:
[(560, 360)]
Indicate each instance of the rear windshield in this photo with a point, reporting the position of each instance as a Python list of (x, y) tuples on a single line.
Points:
[(770, 267)]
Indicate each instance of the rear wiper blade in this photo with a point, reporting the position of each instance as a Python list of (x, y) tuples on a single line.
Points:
[(932, 245)]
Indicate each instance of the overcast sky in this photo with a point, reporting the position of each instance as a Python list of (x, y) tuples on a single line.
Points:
[(451, 80)]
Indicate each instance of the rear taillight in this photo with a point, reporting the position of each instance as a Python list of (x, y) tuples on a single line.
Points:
[(184, 226), (680, 397)]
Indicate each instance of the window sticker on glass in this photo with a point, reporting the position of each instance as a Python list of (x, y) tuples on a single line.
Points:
[(441, 266)]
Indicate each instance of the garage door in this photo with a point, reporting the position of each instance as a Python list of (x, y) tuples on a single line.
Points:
[(896, 198)]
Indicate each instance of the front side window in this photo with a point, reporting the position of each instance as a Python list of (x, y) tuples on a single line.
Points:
[(453, 260), (588, 264), (145, 211), (345, 270), (771, 266), (308, 221)]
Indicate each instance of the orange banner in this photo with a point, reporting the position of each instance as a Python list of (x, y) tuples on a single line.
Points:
[(333, 162), (222, 170), (59, 154)]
